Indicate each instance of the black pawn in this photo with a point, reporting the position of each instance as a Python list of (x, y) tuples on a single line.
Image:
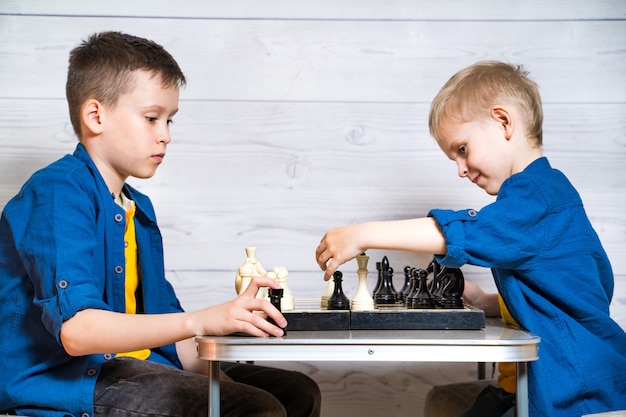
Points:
[(406, 288), (415, 286), (423, 298), (338, 300)]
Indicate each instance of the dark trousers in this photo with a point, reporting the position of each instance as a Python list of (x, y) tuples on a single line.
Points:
[(491, 402), (129, 387)]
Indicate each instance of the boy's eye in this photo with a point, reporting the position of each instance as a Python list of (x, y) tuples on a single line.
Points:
[(151, 119), (169, 121), (462, 150)]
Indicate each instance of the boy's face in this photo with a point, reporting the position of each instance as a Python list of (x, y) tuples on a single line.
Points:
[(136, 130), (481, 150)]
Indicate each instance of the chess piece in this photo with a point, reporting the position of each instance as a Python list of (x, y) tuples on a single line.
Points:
[(379, 278), (338, 300), (330, 288), (423, 298), (276, 296), (414, 288), (453, 286), (362, 299), (406, 288), (282, 276), (257, 268), (436, 284), (244, 273), (386, 294)]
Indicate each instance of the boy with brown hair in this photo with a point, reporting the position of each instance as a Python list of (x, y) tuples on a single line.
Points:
[(90, 326), (546, 259)]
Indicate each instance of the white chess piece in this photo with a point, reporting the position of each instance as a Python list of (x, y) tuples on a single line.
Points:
[(330, 288), (257, 268), (244, 273), (287, 303), (362, 300)]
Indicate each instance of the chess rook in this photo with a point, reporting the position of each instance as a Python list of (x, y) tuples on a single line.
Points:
[(276, 295)]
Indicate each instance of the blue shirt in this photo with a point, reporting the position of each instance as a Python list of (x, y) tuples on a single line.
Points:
[(62, 251), (556, 281)]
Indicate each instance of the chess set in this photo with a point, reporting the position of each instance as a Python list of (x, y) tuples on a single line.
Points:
[(431, 298)]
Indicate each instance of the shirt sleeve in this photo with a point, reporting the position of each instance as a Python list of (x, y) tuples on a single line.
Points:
[(505, 234), (56, 236)]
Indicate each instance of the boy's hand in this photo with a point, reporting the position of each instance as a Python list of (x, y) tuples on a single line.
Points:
[(245, 314), (337, 247), (477, 297)]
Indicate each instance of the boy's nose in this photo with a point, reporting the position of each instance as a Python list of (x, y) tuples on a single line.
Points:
[(165, 137), (462, 169)]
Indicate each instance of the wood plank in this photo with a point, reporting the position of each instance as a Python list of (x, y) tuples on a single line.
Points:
[(328, 9), (574, 61), (278, 176)]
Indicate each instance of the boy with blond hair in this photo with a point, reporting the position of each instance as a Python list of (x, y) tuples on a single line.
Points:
[(90, 326), (547, 261)]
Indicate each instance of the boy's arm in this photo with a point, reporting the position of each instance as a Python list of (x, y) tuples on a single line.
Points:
[(93, 331), (475, 296), (344, 243)]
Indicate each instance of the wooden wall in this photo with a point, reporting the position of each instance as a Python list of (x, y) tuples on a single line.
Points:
[(304, 115)]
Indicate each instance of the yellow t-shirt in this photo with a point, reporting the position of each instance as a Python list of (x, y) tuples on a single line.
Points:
[(132, 274), (507, 378)]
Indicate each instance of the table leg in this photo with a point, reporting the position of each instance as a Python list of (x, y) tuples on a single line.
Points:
[(214, 388), (522, 389)]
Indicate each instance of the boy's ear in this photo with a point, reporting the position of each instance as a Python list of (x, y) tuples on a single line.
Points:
[(91, 116), (502, 116)]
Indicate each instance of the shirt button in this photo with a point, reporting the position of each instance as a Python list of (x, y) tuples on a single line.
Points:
[(118, 217), (63, 284), (126, 244), (472, 213), (108, 356), (84, 415), (91, 372), (119, 269)]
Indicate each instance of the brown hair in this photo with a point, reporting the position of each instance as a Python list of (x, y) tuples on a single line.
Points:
[(102, 66), (471, 93)]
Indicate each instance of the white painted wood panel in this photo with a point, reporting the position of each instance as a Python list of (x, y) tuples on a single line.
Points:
[(300, 116), (287, 60), (328, 9)]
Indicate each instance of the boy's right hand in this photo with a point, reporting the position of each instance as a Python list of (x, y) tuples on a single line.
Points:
[(244, 314)]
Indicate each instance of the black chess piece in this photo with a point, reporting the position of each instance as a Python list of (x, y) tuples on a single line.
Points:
[(423, 298), (415, 277), (436, 284), (276, 295), (406, 288), (453, 286), (386, 293), (379, 279), (338, 300)]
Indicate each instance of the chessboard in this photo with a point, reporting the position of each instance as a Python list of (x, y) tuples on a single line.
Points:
[(385, 318), (430, 299)]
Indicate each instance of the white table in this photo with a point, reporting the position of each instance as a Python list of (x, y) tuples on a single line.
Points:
[(497, 342)]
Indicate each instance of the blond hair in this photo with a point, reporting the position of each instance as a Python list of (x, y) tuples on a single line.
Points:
[(472, 92)]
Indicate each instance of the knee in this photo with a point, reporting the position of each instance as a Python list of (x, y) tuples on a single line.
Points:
[(310, 396)]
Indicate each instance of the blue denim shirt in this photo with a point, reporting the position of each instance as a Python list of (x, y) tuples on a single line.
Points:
[(556, 280), (62, 251)]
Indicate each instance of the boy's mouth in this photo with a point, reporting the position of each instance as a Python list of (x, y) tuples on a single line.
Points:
[(475, 179)]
